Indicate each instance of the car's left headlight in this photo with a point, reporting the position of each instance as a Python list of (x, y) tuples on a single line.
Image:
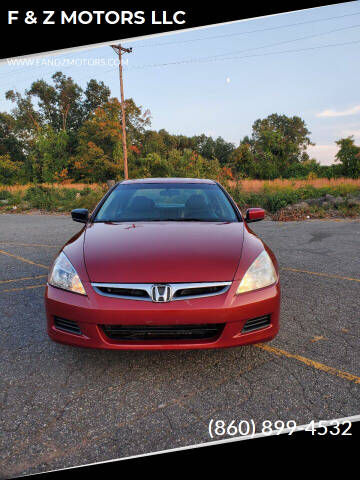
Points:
[(63, 275), (261, 273)]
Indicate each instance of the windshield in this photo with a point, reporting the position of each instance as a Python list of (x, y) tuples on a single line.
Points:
[(178, 202)]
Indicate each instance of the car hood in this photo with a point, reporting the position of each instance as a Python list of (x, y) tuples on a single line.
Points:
[(162, 252)]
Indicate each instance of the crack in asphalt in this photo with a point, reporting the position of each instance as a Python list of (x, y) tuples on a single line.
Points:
[(255, 383), (178, 402)]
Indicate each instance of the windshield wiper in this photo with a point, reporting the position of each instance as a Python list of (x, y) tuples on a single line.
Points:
[(108, 221), (159, 220), (188, 219)]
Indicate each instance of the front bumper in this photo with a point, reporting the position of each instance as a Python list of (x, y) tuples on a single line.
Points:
[(93, 310)]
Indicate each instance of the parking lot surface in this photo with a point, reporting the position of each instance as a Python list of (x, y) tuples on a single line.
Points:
[(62, 406)]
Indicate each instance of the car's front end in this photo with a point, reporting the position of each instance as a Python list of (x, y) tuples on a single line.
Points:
[(163, 285), (223, 320)]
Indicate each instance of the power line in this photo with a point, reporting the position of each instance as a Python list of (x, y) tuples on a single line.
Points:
[(213, 57), (292, 51), (245, 33), (210, 58), (283, 42), (49, 72), (212, 37), (216, 59)]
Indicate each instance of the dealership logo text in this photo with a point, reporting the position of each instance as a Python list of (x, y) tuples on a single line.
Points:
[(86, 17)]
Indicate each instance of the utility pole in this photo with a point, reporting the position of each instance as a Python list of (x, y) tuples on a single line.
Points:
[(120, 50)]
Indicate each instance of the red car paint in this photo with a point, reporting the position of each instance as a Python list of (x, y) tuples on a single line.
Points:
[(164, 252), (255, 214)]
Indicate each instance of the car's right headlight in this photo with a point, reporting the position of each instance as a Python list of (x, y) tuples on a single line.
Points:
[(63, 275), (261, 273)]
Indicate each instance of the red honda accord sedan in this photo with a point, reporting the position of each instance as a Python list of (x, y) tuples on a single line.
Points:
[(164, 263)]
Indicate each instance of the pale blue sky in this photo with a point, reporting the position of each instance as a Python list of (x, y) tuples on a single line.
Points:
[(224, 97)]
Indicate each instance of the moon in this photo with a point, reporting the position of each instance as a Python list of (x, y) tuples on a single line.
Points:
[(228, 80)]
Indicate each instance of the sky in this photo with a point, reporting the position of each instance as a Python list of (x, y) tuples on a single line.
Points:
[(218, 80)]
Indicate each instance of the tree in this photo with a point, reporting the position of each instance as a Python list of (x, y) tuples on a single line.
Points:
[(277, 144), (99, 153), (10, 143), (10, 171), (177, 164), (211, 149), (27, 119), (96, 94), (63, 105), (154, 142), (136, 119), (349, 157), (42, 129), (49, 159), (242, 160), (59, 130), (99, 149)]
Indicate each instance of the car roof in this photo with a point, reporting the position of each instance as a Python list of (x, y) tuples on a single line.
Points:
[(168, 180)]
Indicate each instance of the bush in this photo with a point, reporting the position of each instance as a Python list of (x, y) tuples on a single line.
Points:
[(273, 200), (5, 195), (10, 171), (62, 199), (40, 197)]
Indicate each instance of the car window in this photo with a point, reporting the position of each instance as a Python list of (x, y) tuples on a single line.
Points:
[(170, 202)]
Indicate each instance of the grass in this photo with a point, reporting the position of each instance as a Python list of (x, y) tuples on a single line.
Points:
[(277, 195), (248, 186), (273, 196), (53, 198), (61, 186), (257, 186)]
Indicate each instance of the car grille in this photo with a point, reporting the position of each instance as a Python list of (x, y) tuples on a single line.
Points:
[(67, 325), (203, 291), (209, 331), (256, 324), (144, 291), (123, 292)]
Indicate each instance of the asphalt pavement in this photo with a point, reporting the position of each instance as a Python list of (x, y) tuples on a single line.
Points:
[(62, 406)]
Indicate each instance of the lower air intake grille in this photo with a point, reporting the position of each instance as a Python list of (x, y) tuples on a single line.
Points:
[(163, 332), (67, 326), (256, 324)]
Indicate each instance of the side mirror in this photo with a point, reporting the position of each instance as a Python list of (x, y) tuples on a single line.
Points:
[(80, 215), (254, 214)]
